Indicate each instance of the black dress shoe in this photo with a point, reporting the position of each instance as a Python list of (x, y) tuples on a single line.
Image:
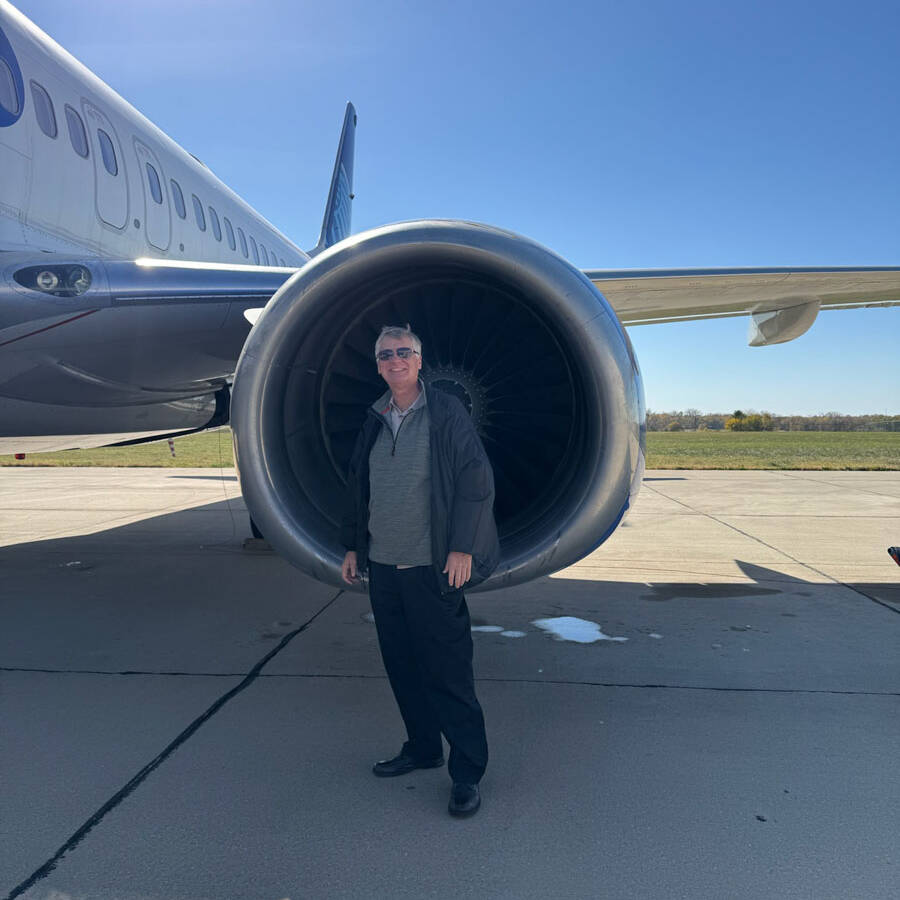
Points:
[(464, 799), (402, 764)]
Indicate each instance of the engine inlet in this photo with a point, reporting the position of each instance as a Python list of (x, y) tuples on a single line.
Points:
[(522, 338)]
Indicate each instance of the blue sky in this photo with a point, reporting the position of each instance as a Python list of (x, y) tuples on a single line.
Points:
[(634, 134)]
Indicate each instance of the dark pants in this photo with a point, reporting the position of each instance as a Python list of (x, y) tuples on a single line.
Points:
[(426, 645)]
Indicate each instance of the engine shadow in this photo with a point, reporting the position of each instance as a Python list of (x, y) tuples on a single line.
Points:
[(223, 526)]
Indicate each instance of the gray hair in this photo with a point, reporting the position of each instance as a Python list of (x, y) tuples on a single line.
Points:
[(400, 332)]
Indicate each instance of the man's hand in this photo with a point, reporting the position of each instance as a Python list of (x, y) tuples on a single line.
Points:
[(458, 568), (348, 569)]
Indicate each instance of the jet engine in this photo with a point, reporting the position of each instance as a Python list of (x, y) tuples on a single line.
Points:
[(518, 334)]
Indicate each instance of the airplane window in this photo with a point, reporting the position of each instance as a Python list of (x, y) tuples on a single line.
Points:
[(77, 134), (214, 218), (43, 110), (108, 152), (243, 241), (264, 255), (255, 251), (229, 232), (155, 186), (178, 197), (9, 97), (198, 212)]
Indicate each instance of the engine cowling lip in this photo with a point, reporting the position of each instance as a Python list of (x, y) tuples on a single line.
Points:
[(581, 314)]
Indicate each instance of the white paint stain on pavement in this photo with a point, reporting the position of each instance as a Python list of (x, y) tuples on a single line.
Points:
[(568, 628), (498, 629)]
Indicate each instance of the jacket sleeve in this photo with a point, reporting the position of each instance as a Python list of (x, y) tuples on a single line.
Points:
[(351, 511), (472, 508)]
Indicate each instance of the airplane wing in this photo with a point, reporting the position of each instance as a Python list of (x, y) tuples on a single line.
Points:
[(783, 302)]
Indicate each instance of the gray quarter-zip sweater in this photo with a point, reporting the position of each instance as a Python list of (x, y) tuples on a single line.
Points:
[(400, 486), (462, 490)]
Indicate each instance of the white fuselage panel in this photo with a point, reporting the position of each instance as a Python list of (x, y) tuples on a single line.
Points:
[(96, 175)]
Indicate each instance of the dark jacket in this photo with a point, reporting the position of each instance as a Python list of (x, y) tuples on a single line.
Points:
[(462, 491)]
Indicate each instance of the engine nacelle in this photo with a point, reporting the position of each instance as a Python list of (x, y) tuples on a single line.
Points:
[(522, 337)]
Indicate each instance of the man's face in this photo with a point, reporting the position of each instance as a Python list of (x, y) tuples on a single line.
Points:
[(400, 374)]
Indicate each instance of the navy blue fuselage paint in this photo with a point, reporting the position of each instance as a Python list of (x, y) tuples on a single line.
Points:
[(11, 116)]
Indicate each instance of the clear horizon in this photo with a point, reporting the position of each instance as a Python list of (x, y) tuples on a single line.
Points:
[(619, 135)]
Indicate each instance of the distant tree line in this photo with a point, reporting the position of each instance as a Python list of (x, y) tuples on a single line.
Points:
[(694, 420)]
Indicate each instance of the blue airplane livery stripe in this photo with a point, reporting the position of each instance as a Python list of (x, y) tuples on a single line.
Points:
[(12, 88)]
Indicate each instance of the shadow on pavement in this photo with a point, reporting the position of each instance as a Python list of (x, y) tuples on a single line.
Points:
[(117, 646), (176, 592)]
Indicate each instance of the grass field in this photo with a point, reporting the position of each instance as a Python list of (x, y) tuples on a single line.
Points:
[(677, 450), (773, 450), (206, 450)]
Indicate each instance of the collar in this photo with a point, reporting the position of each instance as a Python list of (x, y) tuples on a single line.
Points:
[(385, 403)]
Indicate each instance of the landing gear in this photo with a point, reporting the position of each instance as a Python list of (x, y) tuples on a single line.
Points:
[(257, 543)]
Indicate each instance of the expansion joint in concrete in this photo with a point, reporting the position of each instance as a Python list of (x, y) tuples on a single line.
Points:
[(784, 553), (42, 872)]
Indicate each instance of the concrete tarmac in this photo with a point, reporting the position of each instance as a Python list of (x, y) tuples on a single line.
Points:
[(181, 718)]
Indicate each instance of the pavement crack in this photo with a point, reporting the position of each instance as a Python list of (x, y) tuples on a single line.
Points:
[(673, 499), (120, 795), (845, 487), (690, 687), (125, 672), (494, 680)]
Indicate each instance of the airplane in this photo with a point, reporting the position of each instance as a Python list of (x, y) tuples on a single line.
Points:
[(142, 299)]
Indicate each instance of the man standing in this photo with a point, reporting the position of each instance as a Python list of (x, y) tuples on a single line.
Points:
[(419, 512)]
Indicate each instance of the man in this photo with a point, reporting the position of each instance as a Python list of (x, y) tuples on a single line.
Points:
[(419, 514)]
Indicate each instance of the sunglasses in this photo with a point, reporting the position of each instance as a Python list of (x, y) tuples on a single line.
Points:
[(402, 353)]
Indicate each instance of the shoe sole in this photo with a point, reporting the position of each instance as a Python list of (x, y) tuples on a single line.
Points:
[(464, 813), (429, 765)]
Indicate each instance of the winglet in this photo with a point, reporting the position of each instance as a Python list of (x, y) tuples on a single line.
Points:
[(336, 223)]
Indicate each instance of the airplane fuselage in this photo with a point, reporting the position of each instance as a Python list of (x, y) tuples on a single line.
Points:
[(88, 184), (83, 170)]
